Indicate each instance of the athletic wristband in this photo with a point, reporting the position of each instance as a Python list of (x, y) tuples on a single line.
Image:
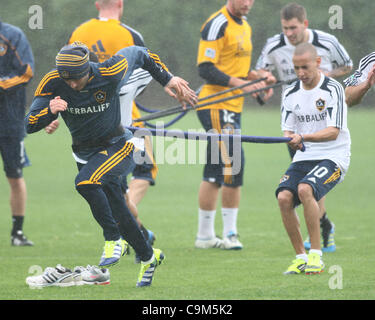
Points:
[(302, 139)]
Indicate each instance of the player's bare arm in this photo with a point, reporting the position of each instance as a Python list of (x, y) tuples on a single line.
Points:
[(338, 72), (262, 73), (354, 94), (327, 134), (52, 127), (253, 75)]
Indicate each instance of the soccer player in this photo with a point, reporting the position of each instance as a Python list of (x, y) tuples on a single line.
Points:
[(106, 35), (16, 70), (358, 84), (224, 60), (314, 114), (277, 56), (86, 95)]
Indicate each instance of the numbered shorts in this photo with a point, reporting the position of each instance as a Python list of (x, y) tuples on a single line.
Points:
[(14, 156), (224, 159), (321, 175)]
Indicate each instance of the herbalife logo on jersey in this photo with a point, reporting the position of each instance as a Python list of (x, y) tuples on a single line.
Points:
[(89, 109), (312, 117)]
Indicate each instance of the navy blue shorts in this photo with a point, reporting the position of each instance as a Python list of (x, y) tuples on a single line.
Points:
[(14, 156), (109, 165), (321, 175), (224, 160)]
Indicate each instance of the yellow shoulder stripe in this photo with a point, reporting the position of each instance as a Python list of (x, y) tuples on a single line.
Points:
[(115, 69), (49, 76)]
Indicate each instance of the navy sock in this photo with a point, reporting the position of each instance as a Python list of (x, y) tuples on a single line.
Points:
[(325, 222)]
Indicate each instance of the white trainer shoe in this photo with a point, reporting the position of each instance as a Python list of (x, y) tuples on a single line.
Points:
[(91, 275), (231, 242), (59, 276), (208, 243)]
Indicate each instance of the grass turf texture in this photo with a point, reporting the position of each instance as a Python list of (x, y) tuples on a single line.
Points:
[(60, 223)]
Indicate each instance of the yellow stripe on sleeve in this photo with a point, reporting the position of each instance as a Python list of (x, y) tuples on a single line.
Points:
[(49, 76)]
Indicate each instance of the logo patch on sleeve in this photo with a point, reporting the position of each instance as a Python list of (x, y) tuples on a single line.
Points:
[(210, 53)]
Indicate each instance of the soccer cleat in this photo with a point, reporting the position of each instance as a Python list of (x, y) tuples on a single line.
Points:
[(20, 240), (113, 250), (151, 239), (91, 275), (208, 243), (147, 270), (231, 242), (327, 242), (314, 264), (59, 276), (297, 267)]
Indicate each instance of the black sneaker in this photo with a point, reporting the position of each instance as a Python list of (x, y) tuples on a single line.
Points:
[(20, 240)]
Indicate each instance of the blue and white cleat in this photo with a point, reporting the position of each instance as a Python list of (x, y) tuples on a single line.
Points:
[(147, 270), (329, 240), (327, 243), (113, 250)]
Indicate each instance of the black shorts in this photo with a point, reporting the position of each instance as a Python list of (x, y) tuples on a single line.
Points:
[(321, 175), (14, 156), (224, 160)]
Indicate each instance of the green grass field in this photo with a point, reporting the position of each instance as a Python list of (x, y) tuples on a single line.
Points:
[(60, 223)]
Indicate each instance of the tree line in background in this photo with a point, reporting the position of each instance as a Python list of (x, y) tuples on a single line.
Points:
[(171, 28)]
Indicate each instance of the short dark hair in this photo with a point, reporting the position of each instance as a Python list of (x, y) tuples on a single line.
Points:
[(304, 47), (293, 10)]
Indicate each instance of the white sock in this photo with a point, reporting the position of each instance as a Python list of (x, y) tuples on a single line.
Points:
[(302, 256), (319, 252), (149, 261), (206, 224), (229, 220)]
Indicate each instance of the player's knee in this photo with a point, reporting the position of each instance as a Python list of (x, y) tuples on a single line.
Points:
[(87, 190), (305, 191), (285, 199)]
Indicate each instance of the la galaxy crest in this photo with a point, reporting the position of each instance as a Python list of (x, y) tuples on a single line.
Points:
[(320, 104), (284, 178), (100, 96), (3, 49)]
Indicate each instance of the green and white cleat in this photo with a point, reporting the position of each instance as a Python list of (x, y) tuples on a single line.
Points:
[(147, 270), (314, 264), (297, 267), (113, 250)]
